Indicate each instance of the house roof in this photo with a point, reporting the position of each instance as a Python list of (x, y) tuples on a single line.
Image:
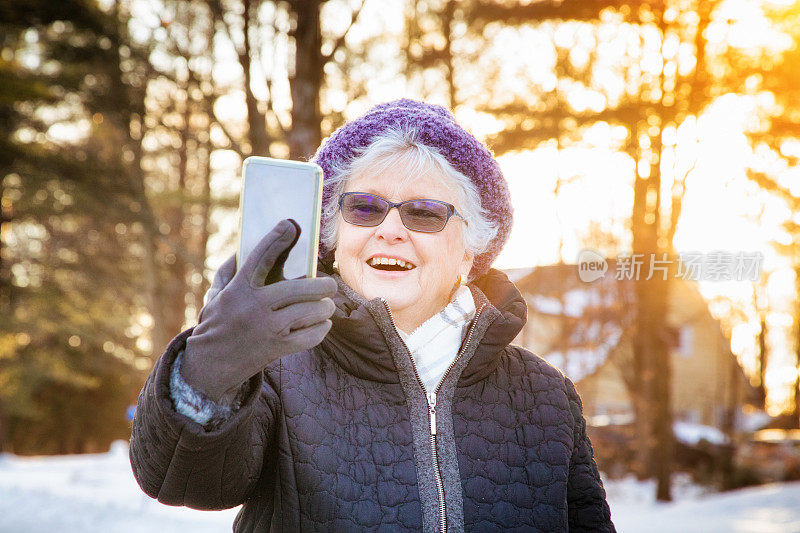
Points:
[(581, 323), (585, 320)]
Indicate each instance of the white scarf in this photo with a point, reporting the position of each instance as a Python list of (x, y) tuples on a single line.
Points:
[(434, 344)]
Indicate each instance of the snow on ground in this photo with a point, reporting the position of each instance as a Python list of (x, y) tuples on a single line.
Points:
[(88, 493), (97, 493), (771, 508), (692, 434)]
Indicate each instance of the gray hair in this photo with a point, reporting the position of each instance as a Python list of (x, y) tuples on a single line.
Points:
[(391, 147)]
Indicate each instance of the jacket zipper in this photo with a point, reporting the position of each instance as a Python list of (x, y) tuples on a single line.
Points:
[(431, 399), (435, 455)]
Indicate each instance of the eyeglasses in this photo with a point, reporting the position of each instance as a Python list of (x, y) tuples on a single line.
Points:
[(427, 216)]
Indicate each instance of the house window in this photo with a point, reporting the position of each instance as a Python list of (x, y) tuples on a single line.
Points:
[(689, 415)]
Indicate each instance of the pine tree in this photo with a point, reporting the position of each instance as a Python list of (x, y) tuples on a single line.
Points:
[(68, 271)]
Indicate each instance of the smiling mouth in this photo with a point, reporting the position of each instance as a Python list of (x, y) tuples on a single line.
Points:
[(390, 264)]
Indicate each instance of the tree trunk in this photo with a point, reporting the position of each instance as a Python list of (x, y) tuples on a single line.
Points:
[(205, 228), (641, 379), (6, 310), (657, 309), (652, 392), (306, 82), (137, 190), (256, 120), (663, 438), (447, 31), (762, 360), (729, 422), (5, 269), (176, 267)]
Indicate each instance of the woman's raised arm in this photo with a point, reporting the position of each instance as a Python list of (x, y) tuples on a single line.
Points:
[(253, 317), (180, 462)]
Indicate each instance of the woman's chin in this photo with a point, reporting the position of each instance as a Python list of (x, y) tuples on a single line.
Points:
[(396, 287)]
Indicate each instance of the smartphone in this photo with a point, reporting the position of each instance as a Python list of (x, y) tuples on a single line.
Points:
[(273, 190)]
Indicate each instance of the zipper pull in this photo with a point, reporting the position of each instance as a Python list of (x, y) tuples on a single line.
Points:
[(432, 411)]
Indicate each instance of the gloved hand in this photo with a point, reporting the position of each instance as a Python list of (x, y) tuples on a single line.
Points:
[(254, 317)]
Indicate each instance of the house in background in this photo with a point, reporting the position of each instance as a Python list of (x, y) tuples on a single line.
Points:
[(586, 328)]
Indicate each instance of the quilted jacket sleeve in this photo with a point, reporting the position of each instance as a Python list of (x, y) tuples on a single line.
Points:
[(586, 499), (179, 462)]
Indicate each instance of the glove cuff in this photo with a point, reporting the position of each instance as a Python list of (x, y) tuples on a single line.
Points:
[(196, 405)]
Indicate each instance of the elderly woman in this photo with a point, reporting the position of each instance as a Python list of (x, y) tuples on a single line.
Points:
[(385, 393)]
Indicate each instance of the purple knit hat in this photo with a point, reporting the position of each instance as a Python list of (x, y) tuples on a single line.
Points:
[(436, 127)]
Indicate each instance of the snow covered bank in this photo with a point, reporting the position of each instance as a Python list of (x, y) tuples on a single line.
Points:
[(97, 493)]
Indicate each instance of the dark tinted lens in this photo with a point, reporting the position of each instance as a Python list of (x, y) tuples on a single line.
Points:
[(364, 209), (424, 215)]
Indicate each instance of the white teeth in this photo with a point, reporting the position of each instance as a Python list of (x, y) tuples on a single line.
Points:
[(390, 261)]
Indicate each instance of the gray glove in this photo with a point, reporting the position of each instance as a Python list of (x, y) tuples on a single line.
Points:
[(255, 316)]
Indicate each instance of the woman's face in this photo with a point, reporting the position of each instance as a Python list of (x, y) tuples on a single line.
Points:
[(438, 258)]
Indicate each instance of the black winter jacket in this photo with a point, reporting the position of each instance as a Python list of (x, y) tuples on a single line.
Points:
[(338, 438)]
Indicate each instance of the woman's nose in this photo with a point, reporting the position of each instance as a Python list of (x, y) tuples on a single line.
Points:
[(392, 228)]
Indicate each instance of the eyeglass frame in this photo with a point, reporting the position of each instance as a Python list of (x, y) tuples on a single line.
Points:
[(451, 210)]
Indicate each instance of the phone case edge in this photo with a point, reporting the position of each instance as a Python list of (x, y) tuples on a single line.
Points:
[(316, 222)]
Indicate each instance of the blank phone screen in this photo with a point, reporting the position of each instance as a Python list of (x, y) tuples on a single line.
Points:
[(272, 192)]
